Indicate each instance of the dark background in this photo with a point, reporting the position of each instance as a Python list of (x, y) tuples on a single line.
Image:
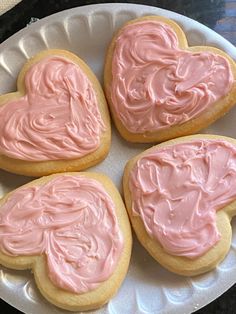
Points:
[(219, 15)]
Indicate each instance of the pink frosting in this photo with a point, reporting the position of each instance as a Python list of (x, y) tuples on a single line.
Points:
[(58, 118), (176, 190), (156, 85), (72, 220)]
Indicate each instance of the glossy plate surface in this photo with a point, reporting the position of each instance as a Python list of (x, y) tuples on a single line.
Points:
[(148, 288)]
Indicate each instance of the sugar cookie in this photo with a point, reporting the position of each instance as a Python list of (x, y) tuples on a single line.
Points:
[(58, 119), (159, 88), (73, 231), (181, 196)]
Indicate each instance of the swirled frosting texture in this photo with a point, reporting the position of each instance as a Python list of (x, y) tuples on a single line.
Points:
[(72, 220), (156, 85), (58, 118), (176, 190)]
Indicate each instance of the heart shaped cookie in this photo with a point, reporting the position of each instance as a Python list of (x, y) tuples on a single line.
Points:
[(73, 231), (159, 88), (57, 120), (181, 196)]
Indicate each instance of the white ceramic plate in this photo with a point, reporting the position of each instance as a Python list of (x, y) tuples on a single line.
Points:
[(148, 288)]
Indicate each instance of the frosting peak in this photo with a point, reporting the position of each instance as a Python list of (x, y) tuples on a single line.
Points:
[(155, 84)]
